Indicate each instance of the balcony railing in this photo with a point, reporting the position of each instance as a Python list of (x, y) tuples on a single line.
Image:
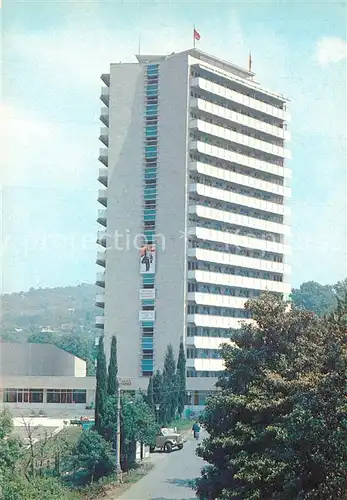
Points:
[(103, 176), (104, 116), (103, 156), (105, 95), (101, 258), (104, 135), (102, 216), (100, 300), (102, 196), (100, 279)]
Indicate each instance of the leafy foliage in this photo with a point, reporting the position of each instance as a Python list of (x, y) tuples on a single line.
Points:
[(94, 455), (277, 429), (314, 297)]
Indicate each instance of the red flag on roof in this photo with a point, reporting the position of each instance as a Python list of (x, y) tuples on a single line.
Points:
[(196, 35)]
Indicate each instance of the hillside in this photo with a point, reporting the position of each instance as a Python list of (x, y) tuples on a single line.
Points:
[(63, 310)]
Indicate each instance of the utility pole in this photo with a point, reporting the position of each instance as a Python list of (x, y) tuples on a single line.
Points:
[(118, 440)]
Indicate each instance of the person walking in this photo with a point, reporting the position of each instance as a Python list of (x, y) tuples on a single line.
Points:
[(196, 430)]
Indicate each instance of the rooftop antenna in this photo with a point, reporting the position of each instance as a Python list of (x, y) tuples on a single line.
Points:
[(139, 52), (250, 61)]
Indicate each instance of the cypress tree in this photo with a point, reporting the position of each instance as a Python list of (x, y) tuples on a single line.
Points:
[(150, 394), (158, 396), (181, 380), (170, 398), (101, 386), (112, 381)]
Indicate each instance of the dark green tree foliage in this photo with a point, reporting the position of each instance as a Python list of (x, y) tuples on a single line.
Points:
[(247, 421), (93, 454), (169, 387), (101, 386), (317, 426), (112, 381), (158, 395), (181, 380), (150, 394), (314, 297)]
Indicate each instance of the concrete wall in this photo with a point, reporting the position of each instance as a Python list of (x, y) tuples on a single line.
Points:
[(171, 205), (124, 214), (38, 360)]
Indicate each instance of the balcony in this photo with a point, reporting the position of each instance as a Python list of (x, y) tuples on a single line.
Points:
[(219, 132), (102, 217), (223, 215), (100, 300), (207, 342), (104, 135), (207, 149), (206, 320), (100, 279), (103, 156), (101, 258), (265, 129), (235, 198), (102, 238), (105, 77), (105, 95), (230, 259), (102, 196), (104, 116), (213, 299), (103, 176), (233, 239), (224, 174), (231, 280), (99, 321), (233, 96), (208, 364)]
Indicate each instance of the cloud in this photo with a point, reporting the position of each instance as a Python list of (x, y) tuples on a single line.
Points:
[(41, 153), (330, 50)]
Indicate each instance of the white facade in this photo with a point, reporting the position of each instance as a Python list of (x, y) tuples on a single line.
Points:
[(195, 167)]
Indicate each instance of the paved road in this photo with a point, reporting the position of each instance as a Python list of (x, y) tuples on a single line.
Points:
[(171, 477)]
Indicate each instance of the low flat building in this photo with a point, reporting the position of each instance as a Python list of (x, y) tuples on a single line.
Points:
[(41, 379)]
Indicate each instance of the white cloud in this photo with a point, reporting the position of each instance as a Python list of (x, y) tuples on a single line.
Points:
[(39, 153), (330, 50)]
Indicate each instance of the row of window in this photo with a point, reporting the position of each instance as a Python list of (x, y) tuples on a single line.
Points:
[(204, 354), (236, 188), (37, 395), (235, 148), (205, 374), (223, 290), (238, 169), (194, 265), (149, 212), (235, 250), (218, 311), (236, 209), (200, 331)]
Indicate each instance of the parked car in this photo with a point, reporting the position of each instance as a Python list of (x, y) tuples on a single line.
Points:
[(167, 440)]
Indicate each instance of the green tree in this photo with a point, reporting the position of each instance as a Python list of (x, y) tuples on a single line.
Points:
[(158, 395), (93, 454), (169, 387), (112, 381), (150, 394), (270, 362), (10, 447), (314, 297), (181, 380), (138, 425), (101, 386)]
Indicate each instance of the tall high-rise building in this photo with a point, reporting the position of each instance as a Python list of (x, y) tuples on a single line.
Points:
[(195, 220)]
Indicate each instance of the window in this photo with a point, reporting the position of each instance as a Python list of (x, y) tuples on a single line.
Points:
[(147, 308), (66, 396), (148, 285), (10, 396), (148, 330)]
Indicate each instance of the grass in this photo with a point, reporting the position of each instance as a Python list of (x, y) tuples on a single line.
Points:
[(182, 425)]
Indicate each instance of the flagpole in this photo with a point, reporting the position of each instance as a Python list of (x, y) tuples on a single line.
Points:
[(139, 52), (194, 36)]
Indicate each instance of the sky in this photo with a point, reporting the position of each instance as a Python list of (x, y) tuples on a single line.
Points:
[(53, 55)]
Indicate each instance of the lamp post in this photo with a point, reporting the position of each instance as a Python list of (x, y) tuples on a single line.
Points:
[(118, 436), (157, 408)]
